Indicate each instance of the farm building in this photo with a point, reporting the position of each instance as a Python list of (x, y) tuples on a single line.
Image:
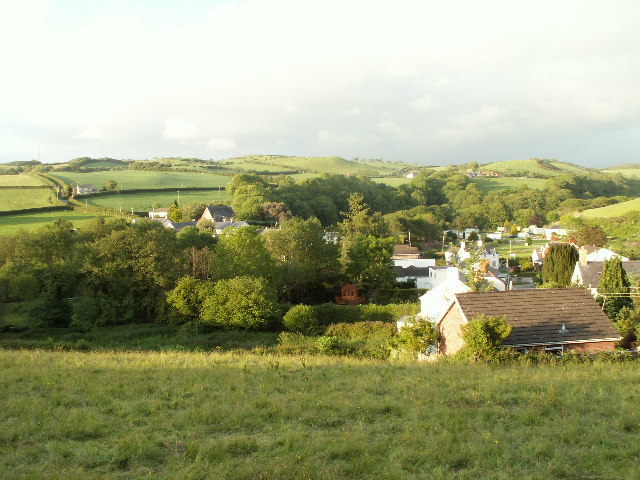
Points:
[(549, 320)]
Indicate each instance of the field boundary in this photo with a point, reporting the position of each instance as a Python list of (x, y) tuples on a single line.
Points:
[(34, 210)]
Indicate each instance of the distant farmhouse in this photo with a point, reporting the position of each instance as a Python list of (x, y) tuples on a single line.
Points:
[(84, 189)]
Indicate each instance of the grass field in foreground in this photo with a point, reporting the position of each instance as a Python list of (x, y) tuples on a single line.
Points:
[(146, 201), (134, 179), (19, 198), (617, 210), (11, 224), (19, 180), (176, 415)]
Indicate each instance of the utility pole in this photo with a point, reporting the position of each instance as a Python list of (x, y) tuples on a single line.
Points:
[(178, 198)]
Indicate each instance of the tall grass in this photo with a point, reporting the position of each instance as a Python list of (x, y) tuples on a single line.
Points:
[(238, 416)]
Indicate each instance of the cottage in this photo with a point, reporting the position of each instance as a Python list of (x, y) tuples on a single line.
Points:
[(221, 226), (84, 189), (217, 213), (418, 275), (550, 320)]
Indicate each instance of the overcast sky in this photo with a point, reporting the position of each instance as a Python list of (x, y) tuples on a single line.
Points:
[(432, 82)]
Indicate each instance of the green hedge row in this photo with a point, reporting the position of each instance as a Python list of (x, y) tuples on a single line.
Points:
[(329, 313), (147, 190), (35, 210), (23, 187), (397, 295)]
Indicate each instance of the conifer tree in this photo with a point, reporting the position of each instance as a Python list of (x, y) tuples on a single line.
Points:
[(559, 263), (613, 288)]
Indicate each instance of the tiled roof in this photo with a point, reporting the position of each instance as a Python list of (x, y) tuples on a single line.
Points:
[(537, 316), (592, 270)]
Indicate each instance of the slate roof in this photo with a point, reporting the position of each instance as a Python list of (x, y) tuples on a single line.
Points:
[(411, 271), (591, 271), (537, 316), (218, 212)]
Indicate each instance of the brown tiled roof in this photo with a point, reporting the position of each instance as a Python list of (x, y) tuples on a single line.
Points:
[(537, 316), (405, 250), (592, 270)]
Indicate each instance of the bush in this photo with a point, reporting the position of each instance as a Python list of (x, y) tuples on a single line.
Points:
[(416, 337), (329, 345), (360, 330), (329, 313), (241, 302), (483, 336), (301, 319)]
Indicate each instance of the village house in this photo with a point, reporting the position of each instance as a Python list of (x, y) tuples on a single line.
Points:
[(587, 274), (84, 189), (159, 213), (217, 213), (542, 320), (554, 232), (485, 252)]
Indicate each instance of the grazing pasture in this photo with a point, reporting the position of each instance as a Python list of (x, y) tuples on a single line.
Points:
[(19, 198), (137, 179), (140, 202), (548, 168), (11, 224), (625, 172), (22, 180), (177, 415), (487, 184), (616, 210)]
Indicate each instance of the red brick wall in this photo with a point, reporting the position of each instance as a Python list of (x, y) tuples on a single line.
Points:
[(450, 334), (591, 347)]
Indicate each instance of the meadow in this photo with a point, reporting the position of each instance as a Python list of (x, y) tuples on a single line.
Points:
[(21, 180), (488, 184), (625, 172), (334, 165), (12, 224), (19, 198), (136, 179), (617, 210), (197, 415), (140, 202), (516, 167)]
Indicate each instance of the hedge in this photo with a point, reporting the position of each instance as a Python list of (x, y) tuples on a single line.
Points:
[(387, 296), (146, 190), (329, 313), (35, 210)]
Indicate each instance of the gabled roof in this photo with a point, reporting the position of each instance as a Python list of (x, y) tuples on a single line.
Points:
[(405, 250), (590, 272), (537, 316), (230, 224), (160, 210), (218, 212)]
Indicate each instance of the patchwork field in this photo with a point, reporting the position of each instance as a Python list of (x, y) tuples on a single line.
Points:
[(11, 224), (22, 180), (146, 201), (617, 210), (18, 198), (335, 165), (176, 415), (516, 167), (625, 172), (392, 181), (136, 179)]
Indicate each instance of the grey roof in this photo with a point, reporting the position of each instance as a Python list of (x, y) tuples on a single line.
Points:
[(591, 271), (537, 316), (230, 224), (411, 271), (218, 212)]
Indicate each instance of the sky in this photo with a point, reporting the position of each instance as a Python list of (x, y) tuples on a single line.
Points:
[(431, 82)]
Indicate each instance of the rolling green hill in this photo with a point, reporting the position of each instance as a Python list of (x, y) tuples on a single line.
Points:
[(138, 179), (534, 166), (22, 180), (310, 164), (617, 210)]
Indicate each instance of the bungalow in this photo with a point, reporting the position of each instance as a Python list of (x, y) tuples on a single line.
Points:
[(542, 320), (177, 226), (410, 273), (220, 226)]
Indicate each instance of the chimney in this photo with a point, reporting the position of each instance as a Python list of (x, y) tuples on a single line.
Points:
[(582, 255)]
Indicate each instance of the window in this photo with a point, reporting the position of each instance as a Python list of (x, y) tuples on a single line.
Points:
[(553, 349)]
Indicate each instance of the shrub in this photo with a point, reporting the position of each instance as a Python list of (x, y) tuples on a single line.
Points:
[(329, 345), (362, 330), (483, 336), (241, 302), (301, 319), (417, 336), (329, 313)]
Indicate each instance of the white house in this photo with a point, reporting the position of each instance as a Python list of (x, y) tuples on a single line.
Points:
[(590, 253), (555, 232), (220, 226), (486, 253), (159, 213), (410, 273), (587, 274), (84, 189), (435, 301), (533, 230)]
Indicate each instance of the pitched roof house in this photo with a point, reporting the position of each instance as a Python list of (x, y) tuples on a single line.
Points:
[(159, 213), (217, 213), (587, 274), (405, 251), (551, 320)]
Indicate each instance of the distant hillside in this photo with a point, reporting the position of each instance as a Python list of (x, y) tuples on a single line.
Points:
[(534, 167), (617, 210)]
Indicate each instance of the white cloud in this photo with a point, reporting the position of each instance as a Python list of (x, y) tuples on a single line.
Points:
[(181, 130), (423, 103), (221, 143), (91, 133)]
